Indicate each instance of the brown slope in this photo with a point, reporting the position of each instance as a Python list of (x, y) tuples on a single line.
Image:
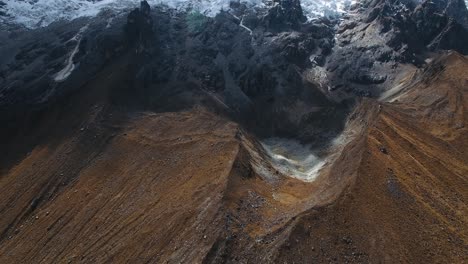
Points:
[(182, 187), (409, 201), (147, 194)]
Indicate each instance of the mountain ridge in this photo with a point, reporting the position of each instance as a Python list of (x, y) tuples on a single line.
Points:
[(175, 137)]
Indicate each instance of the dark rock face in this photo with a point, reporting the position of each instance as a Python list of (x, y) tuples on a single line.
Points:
[(2, 6), (139, 26), (384, 33), (441, 30), (455, 9), (418, 26), (453, 36), (284, 15), (31, 59), (270, 68), (257, 75)]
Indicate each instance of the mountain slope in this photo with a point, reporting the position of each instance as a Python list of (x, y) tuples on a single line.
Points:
[(249, 137), (181, 187), (408, 203)]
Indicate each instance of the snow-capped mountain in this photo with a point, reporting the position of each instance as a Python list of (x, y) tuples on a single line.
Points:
[(38, 13)]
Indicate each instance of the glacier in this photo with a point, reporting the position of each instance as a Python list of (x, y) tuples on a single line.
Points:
[(40, 13)]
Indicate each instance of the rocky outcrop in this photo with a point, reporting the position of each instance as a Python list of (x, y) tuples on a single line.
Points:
[(455, 9), (30, 61), (380, 35), (139, 27), (265, 62), (284, 15)]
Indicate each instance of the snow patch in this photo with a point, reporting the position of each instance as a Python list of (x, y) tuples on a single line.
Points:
[(40, 13), (70, 66), (293, 159)]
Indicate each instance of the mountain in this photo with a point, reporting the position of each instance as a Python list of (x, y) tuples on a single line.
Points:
[(37, 13), (259, 132)]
